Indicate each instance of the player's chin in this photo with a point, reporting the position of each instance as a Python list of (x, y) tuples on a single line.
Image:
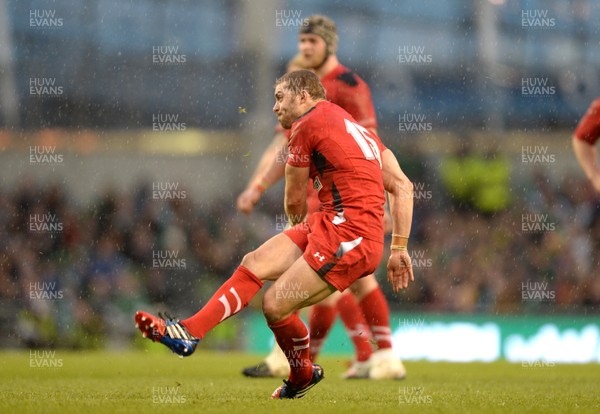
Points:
[(285, 124)]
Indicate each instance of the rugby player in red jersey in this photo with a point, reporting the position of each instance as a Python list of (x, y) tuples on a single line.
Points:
[(584, 140), (317, 46), (339, 245)]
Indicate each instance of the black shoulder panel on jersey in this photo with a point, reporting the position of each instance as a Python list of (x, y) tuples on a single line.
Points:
[(349, 78), (320, 161)]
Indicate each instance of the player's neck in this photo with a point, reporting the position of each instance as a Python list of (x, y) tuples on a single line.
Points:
[(308, 105), (330, 64)]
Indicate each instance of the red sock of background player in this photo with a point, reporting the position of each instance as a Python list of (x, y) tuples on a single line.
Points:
[(377, 314), (229, 299), (293, 339), (320, 322), (356, 325)]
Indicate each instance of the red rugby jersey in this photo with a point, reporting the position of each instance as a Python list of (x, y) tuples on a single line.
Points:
[(345, 165), (346, 89)]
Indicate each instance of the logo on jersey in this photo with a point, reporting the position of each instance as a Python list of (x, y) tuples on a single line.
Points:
[(319, 256), (317, 185)]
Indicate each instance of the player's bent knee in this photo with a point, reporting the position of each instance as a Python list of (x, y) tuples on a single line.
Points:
[(247, 259), (256, 257), (363, 286)]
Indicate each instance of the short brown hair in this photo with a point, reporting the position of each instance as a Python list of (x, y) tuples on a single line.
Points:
[(300, 80)]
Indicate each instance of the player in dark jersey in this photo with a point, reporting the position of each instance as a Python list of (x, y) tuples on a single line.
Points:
[(317, 45), (584, 140), (340, 244)]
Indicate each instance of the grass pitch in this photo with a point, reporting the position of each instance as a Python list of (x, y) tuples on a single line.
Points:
[(210, 382)]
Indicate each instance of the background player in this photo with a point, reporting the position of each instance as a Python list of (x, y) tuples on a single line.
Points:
[(317, 46), (584, 140), (351, 169)]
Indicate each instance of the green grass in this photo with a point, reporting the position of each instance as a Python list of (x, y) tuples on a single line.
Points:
[(210, 382)]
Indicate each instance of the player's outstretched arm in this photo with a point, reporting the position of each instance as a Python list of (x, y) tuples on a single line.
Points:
[(269, 170), (400, 192), (588, 159), (296, 182)]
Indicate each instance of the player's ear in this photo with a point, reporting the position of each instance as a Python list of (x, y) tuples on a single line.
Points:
[(304, 95)]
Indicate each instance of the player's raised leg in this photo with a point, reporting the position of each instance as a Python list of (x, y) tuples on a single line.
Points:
[(267, 262)]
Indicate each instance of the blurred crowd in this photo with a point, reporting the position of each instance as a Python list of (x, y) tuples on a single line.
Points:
[(73, 275), (498, 236)]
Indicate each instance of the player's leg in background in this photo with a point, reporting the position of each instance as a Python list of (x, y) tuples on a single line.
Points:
[(359, 332), (374, 307), (298, 287), (383, 363), (321, 319)]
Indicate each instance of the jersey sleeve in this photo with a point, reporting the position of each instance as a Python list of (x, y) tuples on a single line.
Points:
[(588, 129), (300, 146)]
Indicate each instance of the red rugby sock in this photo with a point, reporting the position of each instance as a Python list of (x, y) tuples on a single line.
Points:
[(293, 339), (320, 322), (377, 314), (229, 299), (356, 325)]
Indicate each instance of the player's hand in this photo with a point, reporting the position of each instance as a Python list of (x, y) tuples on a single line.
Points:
[(248, 199), (399, 270)]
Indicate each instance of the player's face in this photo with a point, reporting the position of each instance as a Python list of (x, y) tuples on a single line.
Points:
[(313, 49), (286, 106)]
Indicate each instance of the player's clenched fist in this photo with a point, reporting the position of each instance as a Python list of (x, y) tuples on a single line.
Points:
[(399, 270), (248, 199)]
